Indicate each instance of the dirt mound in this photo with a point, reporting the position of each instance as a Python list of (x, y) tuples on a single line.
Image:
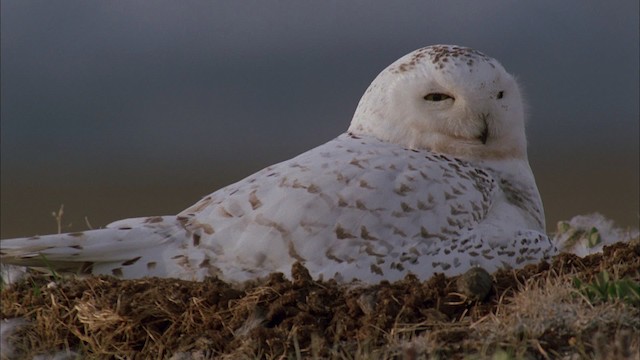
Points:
[(102, 317)]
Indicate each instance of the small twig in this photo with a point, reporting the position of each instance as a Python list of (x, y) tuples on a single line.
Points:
[(58, 216), (86, 221)]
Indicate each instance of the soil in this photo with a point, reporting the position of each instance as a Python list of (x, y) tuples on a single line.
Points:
[(103, 317)]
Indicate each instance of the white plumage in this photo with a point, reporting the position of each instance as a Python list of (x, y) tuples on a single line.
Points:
[(432, 176)]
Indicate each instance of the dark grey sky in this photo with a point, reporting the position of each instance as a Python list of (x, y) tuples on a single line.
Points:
[(101, 98)]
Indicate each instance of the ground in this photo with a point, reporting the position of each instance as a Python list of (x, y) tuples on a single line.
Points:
[(564, 309)]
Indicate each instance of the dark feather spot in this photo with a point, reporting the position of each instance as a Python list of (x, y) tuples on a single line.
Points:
[(405, 207), (196, 240), (132, 261), (376, 270), (341, 233), (364, 234), (254, 201), (313, 189), (402, 190)]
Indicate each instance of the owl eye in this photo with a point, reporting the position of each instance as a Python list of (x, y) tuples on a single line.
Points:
[(437, 97), (500, 95)]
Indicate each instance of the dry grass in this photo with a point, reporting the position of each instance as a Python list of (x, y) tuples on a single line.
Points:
[(549, 315), (534, 312)]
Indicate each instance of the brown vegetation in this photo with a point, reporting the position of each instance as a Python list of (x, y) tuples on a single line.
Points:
[(535, 312)]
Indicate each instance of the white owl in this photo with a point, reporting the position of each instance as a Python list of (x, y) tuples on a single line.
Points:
[(431, 176)]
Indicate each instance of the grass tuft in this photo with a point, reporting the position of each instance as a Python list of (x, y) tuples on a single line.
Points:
[(603, 288)]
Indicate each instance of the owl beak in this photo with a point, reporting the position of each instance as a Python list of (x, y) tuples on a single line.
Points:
[(484, 134)]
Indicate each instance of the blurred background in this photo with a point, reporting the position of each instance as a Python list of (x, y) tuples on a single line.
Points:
[(120, 109)]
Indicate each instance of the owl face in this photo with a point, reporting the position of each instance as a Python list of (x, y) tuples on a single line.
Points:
[(448, 99)]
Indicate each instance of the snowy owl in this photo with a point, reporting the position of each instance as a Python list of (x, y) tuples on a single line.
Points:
[(431, 177)]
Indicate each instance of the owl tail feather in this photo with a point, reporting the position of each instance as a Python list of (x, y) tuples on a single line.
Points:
[(128, 248)]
